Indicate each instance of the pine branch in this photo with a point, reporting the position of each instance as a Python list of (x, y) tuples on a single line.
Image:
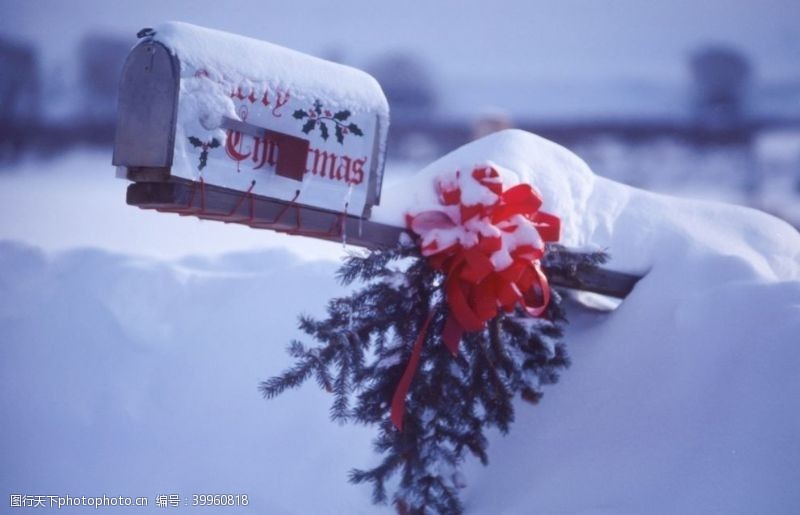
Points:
[(363, 346)]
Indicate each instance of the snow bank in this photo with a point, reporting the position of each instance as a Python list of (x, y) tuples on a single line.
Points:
[(137, 377), (641, 230), (683, 400)]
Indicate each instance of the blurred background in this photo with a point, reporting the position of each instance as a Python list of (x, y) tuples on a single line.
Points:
[(699, 99)]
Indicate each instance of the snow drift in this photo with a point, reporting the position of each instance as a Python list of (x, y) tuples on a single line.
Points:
[(683, 400), (138, 377)]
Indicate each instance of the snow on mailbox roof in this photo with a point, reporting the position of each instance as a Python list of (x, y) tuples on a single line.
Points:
[(241, 59)]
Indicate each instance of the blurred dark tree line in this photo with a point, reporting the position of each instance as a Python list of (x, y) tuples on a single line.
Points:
[(49, 112), (721, 88), (19, 82), (76, 103)]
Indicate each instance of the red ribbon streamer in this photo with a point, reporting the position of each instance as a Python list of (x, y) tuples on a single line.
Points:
[(474, 288), (399, 398)]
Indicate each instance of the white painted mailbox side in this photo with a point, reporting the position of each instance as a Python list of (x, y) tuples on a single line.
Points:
[(257, 117)]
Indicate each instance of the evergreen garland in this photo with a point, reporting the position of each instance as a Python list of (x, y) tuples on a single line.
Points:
[(364, 346)]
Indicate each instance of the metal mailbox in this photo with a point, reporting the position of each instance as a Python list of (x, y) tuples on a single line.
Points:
[(218, 110)]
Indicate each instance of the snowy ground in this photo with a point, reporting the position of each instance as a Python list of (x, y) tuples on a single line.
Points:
[(136, 377), (132, 343)]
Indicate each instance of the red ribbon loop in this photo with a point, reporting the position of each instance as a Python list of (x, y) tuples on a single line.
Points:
[(491, 263)]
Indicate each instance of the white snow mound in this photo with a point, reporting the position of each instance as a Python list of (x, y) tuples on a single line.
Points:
[(641, 230), (682, 400), (134, 377)]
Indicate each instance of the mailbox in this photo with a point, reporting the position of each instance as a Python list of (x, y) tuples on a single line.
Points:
[(207, 111)]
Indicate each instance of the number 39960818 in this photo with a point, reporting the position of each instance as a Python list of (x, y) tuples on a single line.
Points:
[(220, 500)]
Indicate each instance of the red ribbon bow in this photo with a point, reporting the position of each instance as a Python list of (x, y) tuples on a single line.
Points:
[(489, 251)]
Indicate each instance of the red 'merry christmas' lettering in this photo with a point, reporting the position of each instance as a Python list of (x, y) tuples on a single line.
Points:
[(280, 98), (252, 94), (263, 151)]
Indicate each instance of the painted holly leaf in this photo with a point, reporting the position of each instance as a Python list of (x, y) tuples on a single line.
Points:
[(309, 126), (195, 141), (339, 134), (214, 143), (342, 115), (323, 130), (300, 114), (318, 107), (355, 129)]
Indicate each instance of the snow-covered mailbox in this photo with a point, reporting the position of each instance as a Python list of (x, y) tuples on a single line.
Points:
[(226, 127)]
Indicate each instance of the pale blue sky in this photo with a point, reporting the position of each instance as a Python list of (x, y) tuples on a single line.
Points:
[(568, 38), (606, 52)]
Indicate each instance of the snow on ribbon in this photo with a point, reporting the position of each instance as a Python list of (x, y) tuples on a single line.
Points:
[(488, 242)]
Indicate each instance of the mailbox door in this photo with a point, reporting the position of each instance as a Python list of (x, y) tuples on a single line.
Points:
[(147, 108)]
